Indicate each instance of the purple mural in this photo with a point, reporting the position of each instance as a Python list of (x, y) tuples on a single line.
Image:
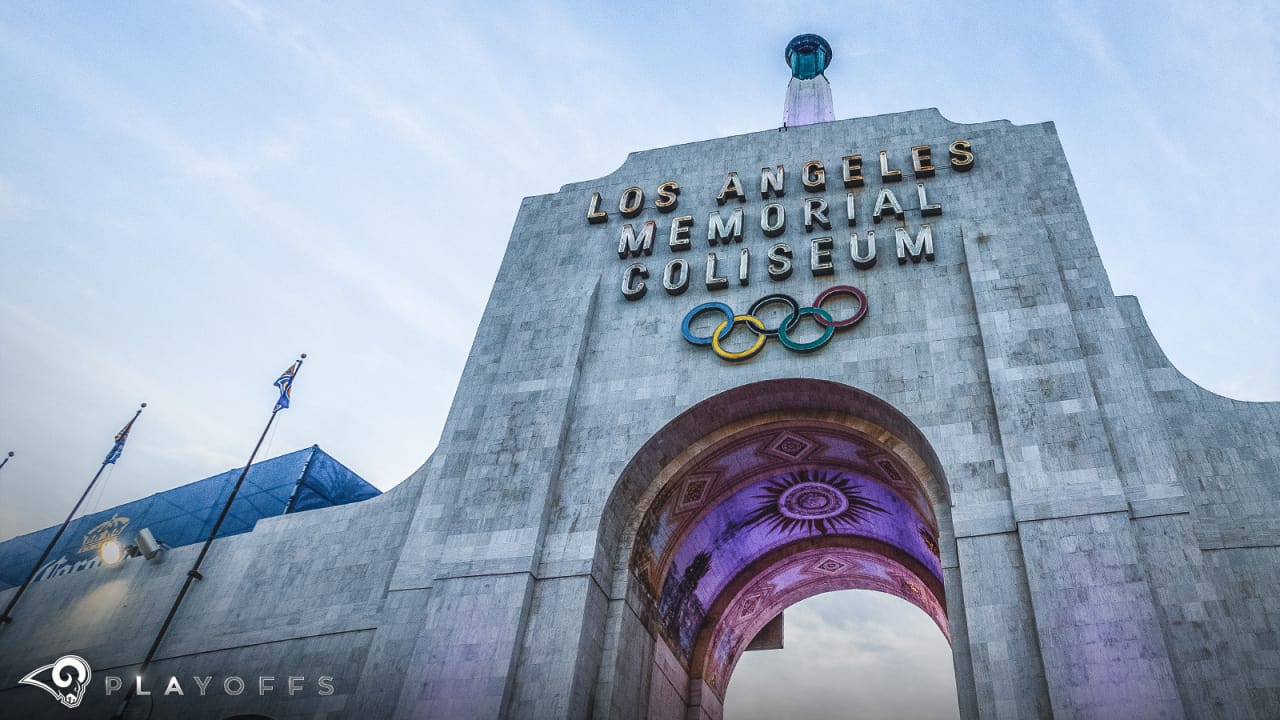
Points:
[(801, 576), (811, 500), (766, 519)]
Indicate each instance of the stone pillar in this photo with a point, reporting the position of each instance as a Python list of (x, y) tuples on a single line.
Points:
[(1099, 635), (479, 529)]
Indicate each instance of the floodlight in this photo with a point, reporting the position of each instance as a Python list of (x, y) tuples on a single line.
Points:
[(111, 552), (147, 545)]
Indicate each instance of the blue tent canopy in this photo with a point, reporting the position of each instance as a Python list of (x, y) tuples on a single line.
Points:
[(300, 481)]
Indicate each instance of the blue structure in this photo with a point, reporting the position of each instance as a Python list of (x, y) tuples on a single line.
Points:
[(808, 92), (808, 55), (300, 481)]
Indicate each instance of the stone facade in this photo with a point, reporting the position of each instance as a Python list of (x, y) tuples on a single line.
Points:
[(1109, 532)]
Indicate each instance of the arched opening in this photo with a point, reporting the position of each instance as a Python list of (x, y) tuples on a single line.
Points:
[(850, 654), (757, 499)]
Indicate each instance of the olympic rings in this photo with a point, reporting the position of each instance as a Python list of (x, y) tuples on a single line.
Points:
[(790, 321), (841, 290), (752, 322), (728, 320), (783, 332), (819, 315)]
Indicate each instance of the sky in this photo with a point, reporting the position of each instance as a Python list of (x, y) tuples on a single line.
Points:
[(848, 654), (192, 193)]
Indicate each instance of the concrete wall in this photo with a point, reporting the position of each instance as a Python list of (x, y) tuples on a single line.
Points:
[(1115, 528)]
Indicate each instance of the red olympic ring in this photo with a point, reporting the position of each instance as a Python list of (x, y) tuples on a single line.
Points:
[(841, 290)]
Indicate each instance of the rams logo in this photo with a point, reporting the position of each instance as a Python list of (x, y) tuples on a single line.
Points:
[(68, 677)]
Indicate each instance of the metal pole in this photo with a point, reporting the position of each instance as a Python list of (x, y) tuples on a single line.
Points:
[(5, 617), (194, 573), (6, 460)]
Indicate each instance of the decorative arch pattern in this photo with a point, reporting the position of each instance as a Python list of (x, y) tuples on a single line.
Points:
[(822, 488)]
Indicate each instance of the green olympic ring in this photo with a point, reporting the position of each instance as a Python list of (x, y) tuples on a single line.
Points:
[(812, 345)]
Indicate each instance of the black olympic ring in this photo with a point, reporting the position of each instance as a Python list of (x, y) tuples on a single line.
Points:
[(791, 320)]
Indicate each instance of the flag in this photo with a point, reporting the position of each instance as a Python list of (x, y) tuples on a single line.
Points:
[(118, 448), (285, 383)]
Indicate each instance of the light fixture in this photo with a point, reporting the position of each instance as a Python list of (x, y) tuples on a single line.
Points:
[(112, 552), (148, 546)]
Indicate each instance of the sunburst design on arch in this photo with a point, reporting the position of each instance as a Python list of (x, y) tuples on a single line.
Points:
[(811, 500)]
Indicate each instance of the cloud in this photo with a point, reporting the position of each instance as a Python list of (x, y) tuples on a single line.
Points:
[(870, 654), (219, 173)]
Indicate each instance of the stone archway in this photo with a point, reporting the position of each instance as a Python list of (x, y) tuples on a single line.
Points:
[(795, 573), (757, 499)]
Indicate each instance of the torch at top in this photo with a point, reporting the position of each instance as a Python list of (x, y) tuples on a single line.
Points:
[(808, 93)]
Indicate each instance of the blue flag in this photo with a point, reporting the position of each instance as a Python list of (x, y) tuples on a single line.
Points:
[(285, 383), (114, 453)]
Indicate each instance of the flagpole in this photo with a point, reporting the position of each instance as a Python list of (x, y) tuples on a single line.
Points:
[(194, 573), (6, 460), (110, 459)]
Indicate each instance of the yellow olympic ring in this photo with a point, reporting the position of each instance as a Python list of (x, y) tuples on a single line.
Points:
[(750, 352)]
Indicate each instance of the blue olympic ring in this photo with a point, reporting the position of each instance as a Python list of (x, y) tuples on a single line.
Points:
[(688, 334)]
